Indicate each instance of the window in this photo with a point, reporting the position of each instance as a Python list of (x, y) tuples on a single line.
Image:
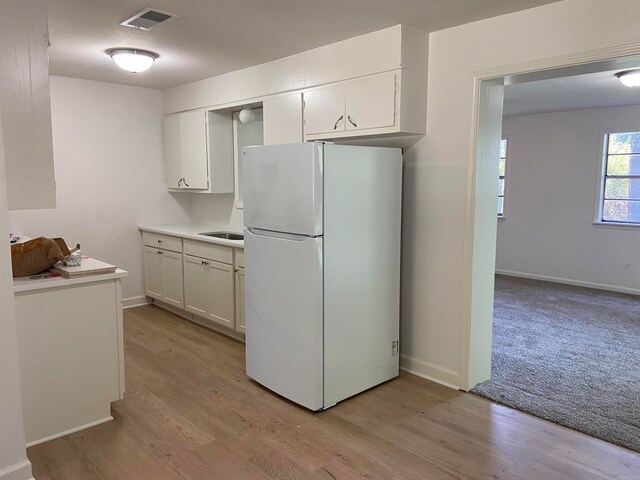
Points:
[(244, 135), (502, 172), (620, 197)]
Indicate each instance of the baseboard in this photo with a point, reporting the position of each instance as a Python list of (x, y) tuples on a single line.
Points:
[(69, 432), (200, 320), (135, 301), (570, 281), (19, 471), (431, 372)]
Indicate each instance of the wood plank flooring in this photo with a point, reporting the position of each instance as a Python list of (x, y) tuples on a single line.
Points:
[(190, 412)]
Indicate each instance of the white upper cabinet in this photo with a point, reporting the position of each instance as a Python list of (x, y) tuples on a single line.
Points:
[(198, 152), (378, 80), (370, 103), (185, 151), (283, 119), (25, 104), (360, 107), (324, 110)]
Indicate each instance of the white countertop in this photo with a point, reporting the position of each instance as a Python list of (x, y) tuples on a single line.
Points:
[(28, 284), (192, 232)]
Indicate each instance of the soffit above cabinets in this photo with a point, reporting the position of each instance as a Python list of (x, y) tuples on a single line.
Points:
[(212, 38)]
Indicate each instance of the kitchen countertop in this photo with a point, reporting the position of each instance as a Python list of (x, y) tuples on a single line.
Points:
[(28, 284), (192, 232)]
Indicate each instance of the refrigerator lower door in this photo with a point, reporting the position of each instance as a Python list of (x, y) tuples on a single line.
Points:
[(283, 315), (282, 187)]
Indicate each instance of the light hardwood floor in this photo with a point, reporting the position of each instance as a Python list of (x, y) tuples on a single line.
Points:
[(191, 413)]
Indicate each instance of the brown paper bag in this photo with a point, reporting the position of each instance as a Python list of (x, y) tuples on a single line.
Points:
[(34, 256)]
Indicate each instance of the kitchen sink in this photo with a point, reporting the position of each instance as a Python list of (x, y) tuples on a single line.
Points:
[(225, 235)]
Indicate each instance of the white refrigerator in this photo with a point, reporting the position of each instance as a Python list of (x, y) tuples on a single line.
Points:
[(322, 268)]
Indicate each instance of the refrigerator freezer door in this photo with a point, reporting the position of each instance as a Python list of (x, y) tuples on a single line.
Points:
[(282, 188), (283, 315)]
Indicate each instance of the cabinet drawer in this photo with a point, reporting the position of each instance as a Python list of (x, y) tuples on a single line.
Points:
[(165, 242), (239, 257), (210, 251)]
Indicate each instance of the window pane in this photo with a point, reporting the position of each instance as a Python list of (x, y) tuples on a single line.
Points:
[(628, 142), (500, 205), (621, 211), (503, 148), (622, 188), (501, 187), (623, 165), (502, 167)]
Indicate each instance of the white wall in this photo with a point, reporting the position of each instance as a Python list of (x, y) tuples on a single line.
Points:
[(218, 208), (553, 168), (441, 201), (107, 142), (13, 460)]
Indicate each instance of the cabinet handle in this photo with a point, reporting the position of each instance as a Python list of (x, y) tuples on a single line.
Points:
[(204, 263), (159, 241), (351, 121), (185, 182), (179, 182), (335, 126), (159, 252)]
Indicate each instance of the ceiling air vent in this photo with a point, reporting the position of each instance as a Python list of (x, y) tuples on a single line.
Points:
[(148, 18)]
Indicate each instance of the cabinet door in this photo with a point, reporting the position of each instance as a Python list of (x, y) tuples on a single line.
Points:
[(195, 285), (195, 160), (324, 110), (220, 282), (153, 273), (283, 119), (172, 151), (26, 105), (371, 103), (173, 279), (240, 300)]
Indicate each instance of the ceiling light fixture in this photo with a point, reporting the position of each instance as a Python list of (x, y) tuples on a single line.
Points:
[(246, 115), (131, 59), (629, 78)]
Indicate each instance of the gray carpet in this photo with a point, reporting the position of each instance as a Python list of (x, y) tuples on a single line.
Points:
[(568, 354)]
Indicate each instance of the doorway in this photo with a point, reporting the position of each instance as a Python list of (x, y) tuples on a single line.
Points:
[(561, 351)]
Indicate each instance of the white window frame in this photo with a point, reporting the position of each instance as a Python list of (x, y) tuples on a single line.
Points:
[(506, 168), (601, 177)]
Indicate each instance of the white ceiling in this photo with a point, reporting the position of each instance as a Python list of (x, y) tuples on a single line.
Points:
[(212, 37), (593, 90)]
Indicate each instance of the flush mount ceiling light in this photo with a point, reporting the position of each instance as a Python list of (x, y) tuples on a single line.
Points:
[(629, 78), (246, 115), (131, 59)]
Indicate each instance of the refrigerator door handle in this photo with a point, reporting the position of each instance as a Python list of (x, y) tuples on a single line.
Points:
[(259, 232)]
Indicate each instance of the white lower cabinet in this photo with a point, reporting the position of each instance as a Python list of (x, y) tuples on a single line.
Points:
[(163, 277), (209, 290), (240, 299), (203, 278)]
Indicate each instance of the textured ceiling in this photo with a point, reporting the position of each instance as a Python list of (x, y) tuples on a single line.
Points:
[(213, 37), (593, 90)]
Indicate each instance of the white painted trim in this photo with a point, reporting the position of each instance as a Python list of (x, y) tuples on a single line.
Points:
[(68, 432), (136, 301), (427, 377), (19, 471), (562, 61), (570, 281), (431, 372)]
